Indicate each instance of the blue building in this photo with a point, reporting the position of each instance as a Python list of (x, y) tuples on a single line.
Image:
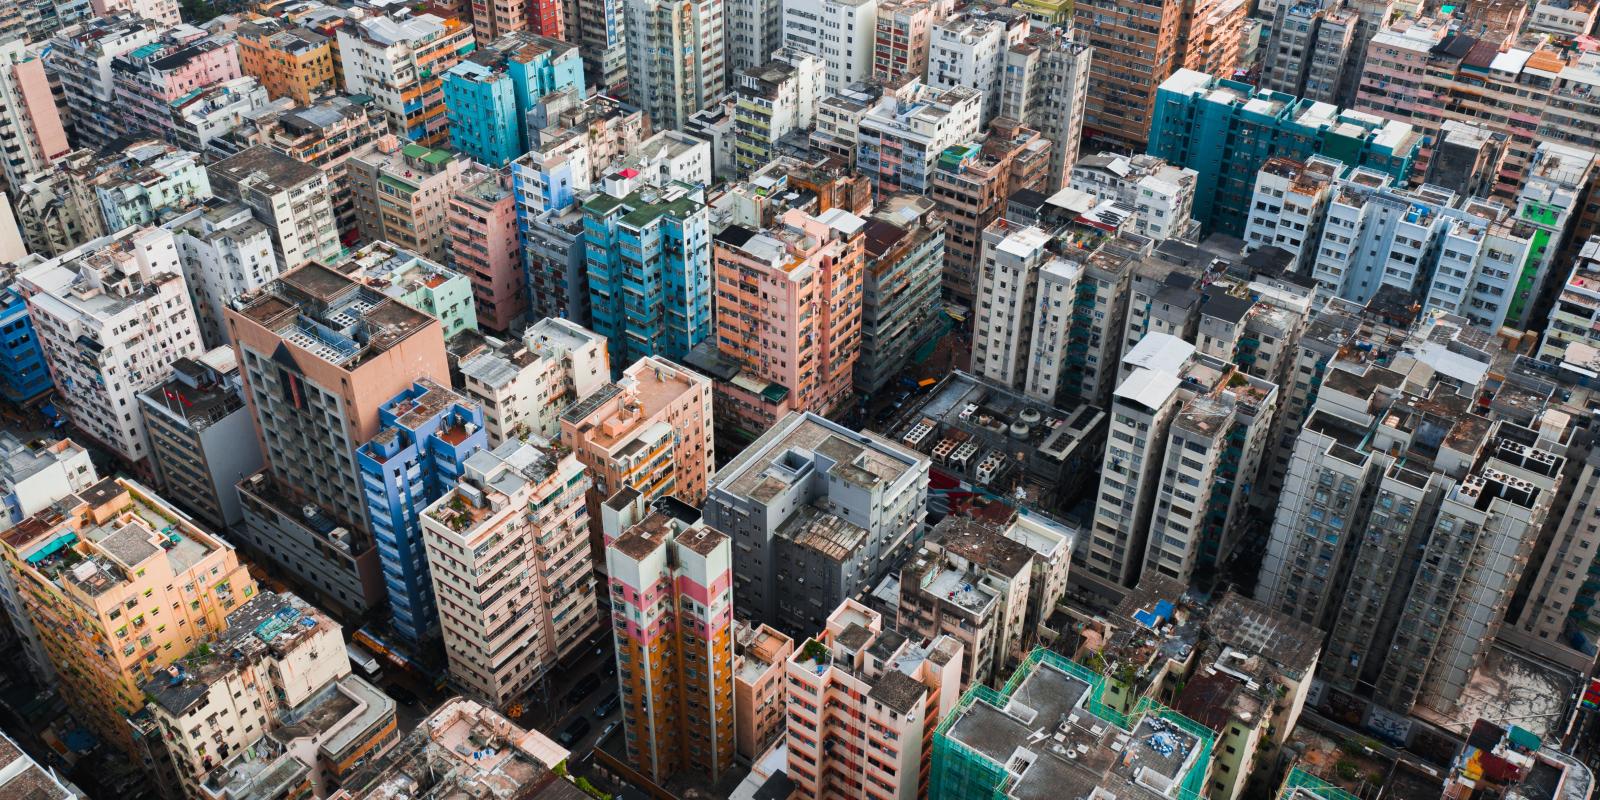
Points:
[(427, 433), (489, 95), (648, 255), (23, 374), (1225, 131)]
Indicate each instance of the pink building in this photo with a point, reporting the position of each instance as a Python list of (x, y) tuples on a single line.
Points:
[(863, 703), (30, 124), (148, 79), (788, 316), (162, 11), (758, 694), (672, 618), (482, 231)]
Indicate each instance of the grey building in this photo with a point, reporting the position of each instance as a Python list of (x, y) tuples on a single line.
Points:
[(816, 512), (202, 440), (900, 287), (1309, 49), (1466, 159)]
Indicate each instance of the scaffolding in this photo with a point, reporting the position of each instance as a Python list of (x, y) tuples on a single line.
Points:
[(1302, 785), (960, 773)]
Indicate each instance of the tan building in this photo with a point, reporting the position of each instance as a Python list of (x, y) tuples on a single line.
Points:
[(505, 628), (1136, 47), (864, 700), (972, 583), (402, 193), (120, 585), (647, 434), (524, 386), (214, 724), (290, 61), (758, 689), (324, 134), (970, 184)]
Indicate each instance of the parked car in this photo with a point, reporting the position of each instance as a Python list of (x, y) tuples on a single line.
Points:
[(608, 706), (403, 696), (606, 731), (583, 688), (574, 731)]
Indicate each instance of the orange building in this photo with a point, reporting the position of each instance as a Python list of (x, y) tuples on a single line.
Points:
[(400, 62), (120, 585), (648, 434), (672, 618), (289, 61)]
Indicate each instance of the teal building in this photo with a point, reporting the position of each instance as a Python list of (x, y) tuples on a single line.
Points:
[(488, 95)]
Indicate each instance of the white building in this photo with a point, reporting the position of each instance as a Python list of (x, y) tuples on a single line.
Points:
[(112, 316), (775, 99), (969, 49), (670, 156), (901, 135), (214, 112), (754, 33), (1289, 204), (288, 196), (523, 387), (31, 480), (1142, 410), (1161, 194), (675, 58), (164, 12), (1007, 293), (843, 32), (144, 183), (225, 252), (81, 57)]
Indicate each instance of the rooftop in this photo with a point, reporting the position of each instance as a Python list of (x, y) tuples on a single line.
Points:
[(769, 463), (331, 317)]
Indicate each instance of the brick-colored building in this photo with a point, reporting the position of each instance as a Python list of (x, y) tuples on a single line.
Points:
[(970, 184), (649, 432), (481, 226)]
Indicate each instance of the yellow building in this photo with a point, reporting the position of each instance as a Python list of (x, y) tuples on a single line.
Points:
[(289, 61), (120, 585)]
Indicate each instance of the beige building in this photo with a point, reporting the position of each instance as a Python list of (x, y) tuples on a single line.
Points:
[(525, 386), (863, 700), (402, 192), (217, 723), (759, 654), (504, 628), (120, 585), (972, 583), (648, 434)]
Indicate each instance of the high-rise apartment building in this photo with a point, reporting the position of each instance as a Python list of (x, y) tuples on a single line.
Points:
[(505, 629), (422, 284), (149, 80), (759, 688), (288, 196), (865, 700), (903, 31), (905, 257), (163, 12), (972, 583), (755, 32), (775, 98), (1199, 118), (290, 61), (24, 375), (119, 585), (202, 117), (225, 252), (525, 386), (112, 316), (788, 318), (30, 123), (842, 32), (489, 95), (969, 185), (1289, 207), (426, 435), (675, 58), (481, 228), (969, 49), (900, 137), (144, 183), (400, 62), (600, 30), (1310, 45), (1136, 47), (1043, 86), (202, 440), (322, 134), (816, 512), (321, 353), (282, 708), (33, 478), (649, 236), (649, 433), (401, 191), (1161, 194), (81, 56), (672, 618), (493, 19)]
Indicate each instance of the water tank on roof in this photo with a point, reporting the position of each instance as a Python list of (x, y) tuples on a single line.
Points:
[(1019, 430)]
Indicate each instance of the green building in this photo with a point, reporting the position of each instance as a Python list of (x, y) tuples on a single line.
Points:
[(1226, 131), (422, 284), (1049, 733)]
